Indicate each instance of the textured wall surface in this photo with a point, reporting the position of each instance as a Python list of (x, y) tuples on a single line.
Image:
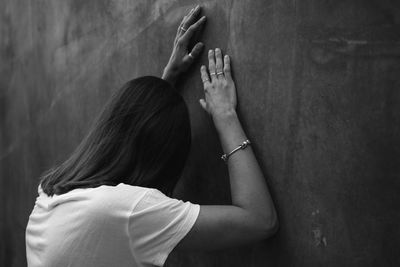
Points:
[(319, 95)]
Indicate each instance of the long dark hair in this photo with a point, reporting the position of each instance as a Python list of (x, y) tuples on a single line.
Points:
[(142, 137)]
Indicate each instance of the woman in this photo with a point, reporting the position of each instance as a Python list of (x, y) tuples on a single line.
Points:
[(109, 204)]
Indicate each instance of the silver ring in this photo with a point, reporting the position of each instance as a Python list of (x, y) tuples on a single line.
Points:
[(191, 56), (206, 80), (213, 73), (183, 29), (219, 73)]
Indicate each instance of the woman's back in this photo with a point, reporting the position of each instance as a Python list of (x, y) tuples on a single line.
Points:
[(119, 225)]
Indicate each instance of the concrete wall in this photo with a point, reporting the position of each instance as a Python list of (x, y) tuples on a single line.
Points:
[(319, 92)]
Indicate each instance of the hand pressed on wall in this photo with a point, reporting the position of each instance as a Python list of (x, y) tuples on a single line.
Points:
[(181, 58), (219, 87)]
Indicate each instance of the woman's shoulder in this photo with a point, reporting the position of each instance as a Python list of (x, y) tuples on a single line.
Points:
[(107, 197), (112, 201), (121, 187), (123, 192), (145, 195)]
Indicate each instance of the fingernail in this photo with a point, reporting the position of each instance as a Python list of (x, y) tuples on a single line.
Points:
[(210, 51)]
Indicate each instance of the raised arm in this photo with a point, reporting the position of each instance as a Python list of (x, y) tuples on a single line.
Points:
[(252, 215)]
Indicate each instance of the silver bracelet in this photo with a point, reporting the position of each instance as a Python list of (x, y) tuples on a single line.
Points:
[(225, 157)]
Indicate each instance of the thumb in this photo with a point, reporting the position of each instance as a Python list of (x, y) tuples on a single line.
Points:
[(203, 104), (196, 51)]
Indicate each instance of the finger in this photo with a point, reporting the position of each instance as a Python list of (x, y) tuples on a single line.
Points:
[(180, 32), (218, 62), (187, 17), (185, 38), (183, 21), (181, 24), (211, 65), (196, 51), (203, 104), (227, 68), (204, 76), (192, 17)]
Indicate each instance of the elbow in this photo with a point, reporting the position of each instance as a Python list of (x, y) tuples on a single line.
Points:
[(271, 227)]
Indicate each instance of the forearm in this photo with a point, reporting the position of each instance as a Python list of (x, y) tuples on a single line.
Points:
[(248, 186)]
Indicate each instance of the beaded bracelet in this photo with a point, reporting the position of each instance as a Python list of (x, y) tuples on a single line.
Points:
[(225, 157)]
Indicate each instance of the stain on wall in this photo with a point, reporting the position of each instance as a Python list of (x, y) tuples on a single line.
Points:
[(319, 92)]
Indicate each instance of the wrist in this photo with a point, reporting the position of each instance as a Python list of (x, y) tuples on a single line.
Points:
[(229, 130), (169, 76), (224, 114), (225, 118)]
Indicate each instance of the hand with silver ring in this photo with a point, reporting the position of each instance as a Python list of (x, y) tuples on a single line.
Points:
[(219, 87), (181, 58)]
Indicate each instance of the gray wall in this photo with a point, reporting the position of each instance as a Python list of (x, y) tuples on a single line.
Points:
[(319, 89)]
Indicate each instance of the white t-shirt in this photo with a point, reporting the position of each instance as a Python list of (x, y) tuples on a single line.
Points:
[(119, 225)]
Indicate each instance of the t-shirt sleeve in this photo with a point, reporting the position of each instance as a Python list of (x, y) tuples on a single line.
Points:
[(157, 224)]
